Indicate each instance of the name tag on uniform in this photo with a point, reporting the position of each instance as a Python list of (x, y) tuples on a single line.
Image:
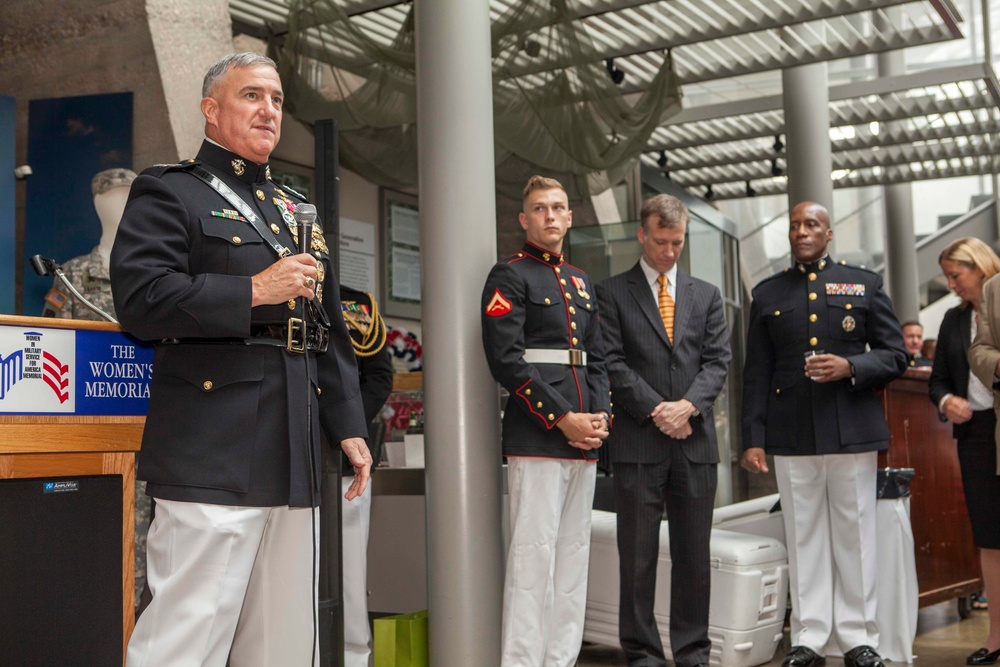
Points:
[(845, 289)]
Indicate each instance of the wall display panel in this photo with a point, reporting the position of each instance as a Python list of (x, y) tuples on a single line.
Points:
[(69, 140), (7, 247), (400, 222)]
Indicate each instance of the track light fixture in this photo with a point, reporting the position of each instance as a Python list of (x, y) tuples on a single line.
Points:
[(531, 47), (662, 160), (775, 169), (778, 145), (617, 76), (708, 193), (750, 191)]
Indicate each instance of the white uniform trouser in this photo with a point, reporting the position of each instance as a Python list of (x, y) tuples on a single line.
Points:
[(228, 583), (829, 507), (545, 589), (356, 519)]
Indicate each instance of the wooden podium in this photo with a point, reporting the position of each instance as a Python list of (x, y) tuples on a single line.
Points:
[(62, 445), (947, 560)]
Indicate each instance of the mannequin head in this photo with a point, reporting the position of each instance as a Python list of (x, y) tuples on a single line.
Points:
[(110, 188)]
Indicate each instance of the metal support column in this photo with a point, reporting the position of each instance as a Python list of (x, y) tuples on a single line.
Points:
[(458, 247), (807, 134), (902, 279), (988, 59)]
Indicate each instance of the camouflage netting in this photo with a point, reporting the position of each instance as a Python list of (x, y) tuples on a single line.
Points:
[(556, 109)]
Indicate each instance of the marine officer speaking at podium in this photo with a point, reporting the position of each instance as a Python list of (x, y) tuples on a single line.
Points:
[(252, 359)]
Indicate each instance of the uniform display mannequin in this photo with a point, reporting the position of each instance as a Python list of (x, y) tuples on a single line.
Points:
[(89, 273)]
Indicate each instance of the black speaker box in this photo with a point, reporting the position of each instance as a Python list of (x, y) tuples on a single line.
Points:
[(61, 571)]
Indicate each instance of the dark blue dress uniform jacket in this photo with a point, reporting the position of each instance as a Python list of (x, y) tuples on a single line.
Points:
[(536, 300), (226, 422), (840, 310)]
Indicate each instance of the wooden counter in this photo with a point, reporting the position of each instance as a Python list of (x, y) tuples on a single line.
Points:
[(947, 559)]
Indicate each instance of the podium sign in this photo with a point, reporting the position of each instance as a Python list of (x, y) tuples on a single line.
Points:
[(69, 371), (73, 398)]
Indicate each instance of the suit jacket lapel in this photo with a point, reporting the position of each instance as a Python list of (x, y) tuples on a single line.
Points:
[(641, 292), (683, 303), (965, 324)]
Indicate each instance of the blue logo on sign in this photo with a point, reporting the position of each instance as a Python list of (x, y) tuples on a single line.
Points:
[(50, 486)]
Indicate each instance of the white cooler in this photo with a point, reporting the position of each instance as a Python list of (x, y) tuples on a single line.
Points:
[(749, 593)]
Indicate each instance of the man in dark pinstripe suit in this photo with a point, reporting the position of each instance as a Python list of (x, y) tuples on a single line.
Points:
[(663, 445)]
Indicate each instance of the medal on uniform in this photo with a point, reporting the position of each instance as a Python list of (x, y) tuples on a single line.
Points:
[(849, 324), (287, 211)]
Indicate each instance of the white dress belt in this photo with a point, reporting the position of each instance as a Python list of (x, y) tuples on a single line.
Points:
[(534, 355)]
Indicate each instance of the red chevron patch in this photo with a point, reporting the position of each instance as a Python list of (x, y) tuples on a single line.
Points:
[(499, 305)]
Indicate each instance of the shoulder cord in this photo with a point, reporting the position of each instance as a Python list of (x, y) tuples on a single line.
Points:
[(373, 340)]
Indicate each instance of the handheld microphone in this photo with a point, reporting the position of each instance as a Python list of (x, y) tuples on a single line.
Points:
[(305, 216)]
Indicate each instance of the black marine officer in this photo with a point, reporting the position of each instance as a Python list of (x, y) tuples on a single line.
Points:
[(822, 339)]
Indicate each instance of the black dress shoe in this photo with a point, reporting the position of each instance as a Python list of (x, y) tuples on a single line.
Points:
[(983, 657), (863, 656), (803, 656)]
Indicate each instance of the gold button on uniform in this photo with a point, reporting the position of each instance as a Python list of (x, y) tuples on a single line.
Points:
[(813, 341), (275, 228), (813, 317), (538, 405), (777, 391), (848, 307), (562, 280), (587, 306), (572, 310), (207, 384), (812, 276), (551, 416), (547, 301), (777, 312), (319, 391), (572, 325), (260, 195), (567, 295), (291, 304), (575, 341), (558, 270), (237, 240), (812, 296), (527, 392)]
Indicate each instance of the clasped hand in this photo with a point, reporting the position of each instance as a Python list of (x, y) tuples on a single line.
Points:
[(673, 418), (584, 430)]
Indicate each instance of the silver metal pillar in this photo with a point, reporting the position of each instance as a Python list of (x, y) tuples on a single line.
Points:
[(458, 247), (902, 279), (988, 58), (807, 134)]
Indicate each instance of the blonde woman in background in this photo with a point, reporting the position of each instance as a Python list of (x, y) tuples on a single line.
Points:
[(963, 399)]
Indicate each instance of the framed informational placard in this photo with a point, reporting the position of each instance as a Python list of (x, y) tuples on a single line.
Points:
[(400, 218), (295, 176)]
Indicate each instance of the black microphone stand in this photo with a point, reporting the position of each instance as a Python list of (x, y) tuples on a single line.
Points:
[(44, 266)]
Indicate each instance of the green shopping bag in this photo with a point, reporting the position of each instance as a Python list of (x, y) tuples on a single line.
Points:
[(401, 641)]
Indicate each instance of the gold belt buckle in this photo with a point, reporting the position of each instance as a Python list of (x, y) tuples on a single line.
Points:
[(298, 346), (576, 357)]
